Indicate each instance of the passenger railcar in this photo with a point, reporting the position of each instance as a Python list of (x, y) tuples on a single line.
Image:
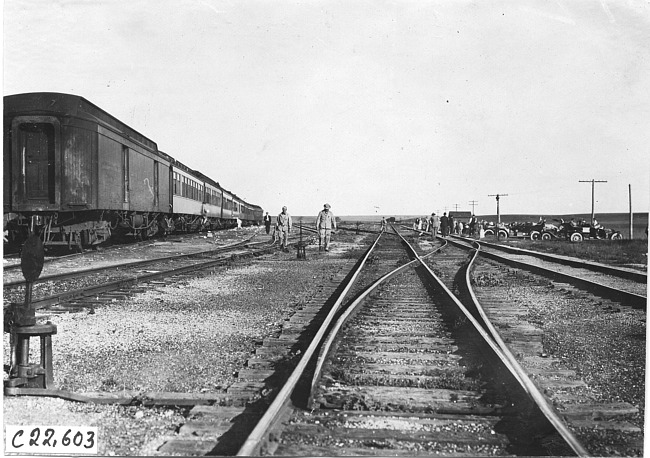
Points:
[(77, 175)]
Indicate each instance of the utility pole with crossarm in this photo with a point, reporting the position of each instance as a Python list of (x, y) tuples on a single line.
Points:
[(498, 212), (593, 182), (473, 203)]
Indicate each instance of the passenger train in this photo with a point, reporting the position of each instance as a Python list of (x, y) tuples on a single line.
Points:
[(78, 176)]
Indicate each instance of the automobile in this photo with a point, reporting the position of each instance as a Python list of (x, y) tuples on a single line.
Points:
[(577, 231)]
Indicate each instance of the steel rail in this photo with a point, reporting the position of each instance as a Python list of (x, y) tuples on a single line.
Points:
[(307, 228), (83, 272), (253, 442), (74, 255), (641, 277), (513, 366), (629, 298), (352, 229), (348, 311), (111, 286), (542, 402)]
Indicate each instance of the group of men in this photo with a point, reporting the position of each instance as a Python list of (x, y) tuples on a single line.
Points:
[(445, 225), (325, 224)]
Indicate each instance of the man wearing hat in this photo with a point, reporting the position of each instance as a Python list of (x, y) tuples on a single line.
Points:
[(283, 225), (325, 223), (434, 224)]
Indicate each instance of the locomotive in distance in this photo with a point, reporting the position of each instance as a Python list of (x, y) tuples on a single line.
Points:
[(78, 176)]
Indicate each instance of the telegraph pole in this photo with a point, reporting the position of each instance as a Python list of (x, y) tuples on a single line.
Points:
[(498, 213), (593, 182), (631, 214), (456, 205), (473, 203)]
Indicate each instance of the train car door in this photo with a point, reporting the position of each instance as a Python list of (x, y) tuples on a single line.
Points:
[(36, 150)]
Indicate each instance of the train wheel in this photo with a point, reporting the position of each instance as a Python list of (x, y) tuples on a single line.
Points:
[(576, 237), (534, 235), (546, 236)]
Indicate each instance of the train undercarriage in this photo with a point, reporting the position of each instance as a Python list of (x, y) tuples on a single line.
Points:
[(91, 229)]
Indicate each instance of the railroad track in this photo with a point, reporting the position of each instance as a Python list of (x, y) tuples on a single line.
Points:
[(75, 290), (505, 297), (104, 248), (451, 406), (624, 285), (632, 274), (411, 371)]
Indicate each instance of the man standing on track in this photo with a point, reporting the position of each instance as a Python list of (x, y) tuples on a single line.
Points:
[(325, 223), (284, 227), (444, 225), (472, 225), (434, 224), (267, 222)]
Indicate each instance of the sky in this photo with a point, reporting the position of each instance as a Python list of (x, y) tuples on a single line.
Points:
[(375, 107)]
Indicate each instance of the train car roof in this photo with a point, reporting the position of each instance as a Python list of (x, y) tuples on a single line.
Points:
[(199, 176), (73, 106), (57, 103)]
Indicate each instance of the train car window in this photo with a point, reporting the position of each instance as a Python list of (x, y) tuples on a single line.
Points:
[(37, 144), (125, 167), (155, 183)]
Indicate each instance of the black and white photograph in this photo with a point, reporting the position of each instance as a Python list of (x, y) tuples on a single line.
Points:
[(325, 227)]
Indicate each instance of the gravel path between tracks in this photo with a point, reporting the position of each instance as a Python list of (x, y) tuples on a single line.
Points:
[(191, 336), (602, 341)]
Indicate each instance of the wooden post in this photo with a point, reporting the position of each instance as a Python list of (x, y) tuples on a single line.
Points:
[(631, 214), (498, 213), (593, 196)]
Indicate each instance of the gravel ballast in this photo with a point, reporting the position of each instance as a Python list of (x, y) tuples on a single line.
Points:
[(193, 336), (190, 336)]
